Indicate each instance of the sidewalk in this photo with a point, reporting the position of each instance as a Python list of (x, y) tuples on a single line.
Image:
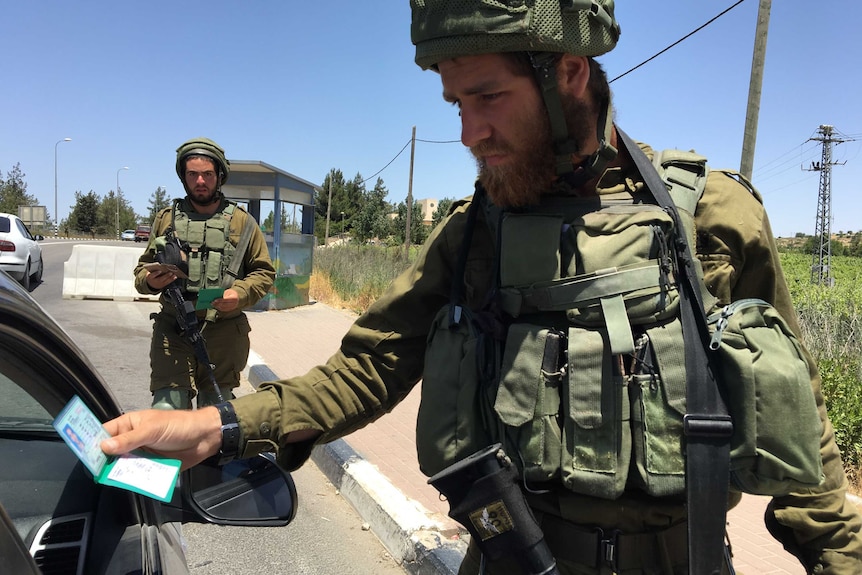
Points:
[(376, 469)]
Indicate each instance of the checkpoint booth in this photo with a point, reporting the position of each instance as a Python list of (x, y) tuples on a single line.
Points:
[(283, 205)]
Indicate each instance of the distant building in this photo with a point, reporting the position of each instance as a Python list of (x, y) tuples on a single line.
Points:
[(429, 206)]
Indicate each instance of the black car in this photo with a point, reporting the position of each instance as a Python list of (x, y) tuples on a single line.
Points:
[(54, 518)]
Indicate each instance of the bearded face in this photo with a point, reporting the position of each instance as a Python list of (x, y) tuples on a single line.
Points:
[(530, 170)]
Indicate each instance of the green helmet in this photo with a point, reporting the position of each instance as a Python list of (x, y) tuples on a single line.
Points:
[(445, 29), (203, 147)]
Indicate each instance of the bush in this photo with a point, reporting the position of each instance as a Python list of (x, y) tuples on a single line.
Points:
[(356, 275)]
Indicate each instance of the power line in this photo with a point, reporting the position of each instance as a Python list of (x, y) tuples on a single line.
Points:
[(405, 147), (390, 161), (692, 33)]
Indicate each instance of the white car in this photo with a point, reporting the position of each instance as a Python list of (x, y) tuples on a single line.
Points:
[(128, 235), (20, 252)]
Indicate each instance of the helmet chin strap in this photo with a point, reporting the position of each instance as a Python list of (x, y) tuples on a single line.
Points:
[(544, 68)]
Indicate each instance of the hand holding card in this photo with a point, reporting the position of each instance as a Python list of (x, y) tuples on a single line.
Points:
[(138, 471)]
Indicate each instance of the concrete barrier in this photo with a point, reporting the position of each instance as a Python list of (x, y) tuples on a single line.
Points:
[(102, 272)]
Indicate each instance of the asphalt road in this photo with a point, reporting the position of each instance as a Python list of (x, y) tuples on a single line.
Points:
[(326, 538)]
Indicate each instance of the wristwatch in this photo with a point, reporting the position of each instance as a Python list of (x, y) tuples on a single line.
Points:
[(229, 433)]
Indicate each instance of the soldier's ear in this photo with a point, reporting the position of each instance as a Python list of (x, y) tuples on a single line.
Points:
[(573, 74)]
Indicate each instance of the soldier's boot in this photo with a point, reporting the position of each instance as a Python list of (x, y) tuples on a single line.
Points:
[(172, 399), (209, 397)]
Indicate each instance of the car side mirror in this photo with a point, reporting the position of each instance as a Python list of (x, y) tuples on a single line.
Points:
[(39, 237), (250, 492)]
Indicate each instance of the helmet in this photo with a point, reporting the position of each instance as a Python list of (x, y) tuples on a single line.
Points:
[(203, 147), (445, 29)]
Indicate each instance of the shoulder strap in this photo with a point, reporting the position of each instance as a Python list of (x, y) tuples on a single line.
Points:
[(685, 175), (707, 425), (456, 295), (232, 271)]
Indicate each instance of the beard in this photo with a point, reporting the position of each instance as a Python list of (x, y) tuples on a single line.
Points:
[(531, 171), (203, 198)]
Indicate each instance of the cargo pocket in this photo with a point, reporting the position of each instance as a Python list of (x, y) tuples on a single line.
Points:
[(213, 267), (596, 436), (775, 447), (454, 412), (658, 407), (528, 400)]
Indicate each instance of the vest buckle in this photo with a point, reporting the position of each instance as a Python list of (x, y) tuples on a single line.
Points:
[(608, 548)]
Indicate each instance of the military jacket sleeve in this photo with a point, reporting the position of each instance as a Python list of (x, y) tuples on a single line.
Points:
[(160, 226), (380, 360), (738, 252)]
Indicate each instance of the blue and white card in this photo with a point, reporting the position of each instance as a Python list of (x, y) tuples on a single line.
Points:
[(138, 471)]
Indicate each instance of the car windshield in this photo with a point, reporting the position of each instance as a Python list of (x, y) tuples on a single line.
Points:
[(5, 225)]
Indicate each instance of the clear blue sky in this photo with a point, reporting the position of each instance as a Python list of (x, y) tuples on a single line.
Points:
[(311, 86)]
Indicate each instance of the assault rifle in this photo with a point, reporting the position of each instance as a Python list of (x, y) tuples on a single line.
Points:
[(187, 320), (485, 497)]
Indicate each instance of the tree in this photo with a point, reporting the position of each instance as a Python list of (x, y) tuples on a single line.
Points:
[(13, 191), (84, 214), (418, 231), (372, 221), (333, 185), (110, 207), (346, 197), (158, 201)]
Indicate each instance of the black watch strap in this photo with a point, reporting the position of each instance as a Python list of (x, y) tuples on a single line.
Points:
[(229, 433)]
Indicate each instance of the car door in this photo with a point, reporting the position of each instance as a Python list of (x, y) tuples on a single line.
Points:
[(69, 523), (33, 247)]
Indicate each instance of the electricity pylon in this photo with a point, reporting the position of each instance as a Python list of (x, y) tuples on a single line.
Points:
[(821, 269)]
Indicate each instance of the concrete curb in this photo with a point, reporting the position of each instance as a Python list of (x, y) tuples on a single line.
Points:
[(406, 528)]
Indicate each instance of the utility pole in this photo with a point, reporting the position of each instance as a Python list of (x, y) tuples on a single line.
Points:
[(410, 197), (328, 208), (749, 137), (821, 269)]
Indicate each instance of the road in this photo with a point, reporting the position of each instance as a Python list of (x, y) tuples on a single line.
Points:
[(326, 538)]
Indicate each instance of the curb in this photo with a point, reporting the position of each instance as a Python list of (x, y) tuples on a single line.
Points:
[(406, 528)]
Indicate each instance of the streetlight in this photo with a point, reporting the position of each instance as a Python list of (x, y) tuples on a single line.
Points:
[(56, 218), (118, 199), (342, 225)]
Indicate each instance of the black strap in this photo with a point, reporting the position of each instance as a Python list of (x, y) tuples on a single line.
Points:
[(707, 424), (456, 295)]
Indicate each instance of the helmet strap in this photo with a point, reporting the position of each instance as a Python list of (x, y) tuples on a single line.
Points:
[(544, 68)]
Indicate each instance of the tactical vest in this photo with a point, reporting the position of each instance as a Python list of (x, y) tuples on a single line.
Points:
[(207, 246), (588, 386)]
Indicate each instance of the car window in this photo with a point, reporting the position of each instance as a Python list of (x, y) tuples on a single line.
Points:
[(23, 229), (4, 225), (19, 410)]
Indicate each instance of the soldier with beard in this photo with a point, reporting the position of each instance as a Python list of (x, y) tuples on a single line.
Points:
[(206, 229), (536, 113)]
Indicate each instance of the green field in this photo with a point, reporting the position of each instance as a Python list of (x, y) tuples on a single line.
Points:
[(832, 331)]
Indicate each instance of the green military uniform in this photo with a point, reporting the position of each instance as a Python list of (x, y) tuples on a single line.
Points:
[(172, 359), (381, 359)]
